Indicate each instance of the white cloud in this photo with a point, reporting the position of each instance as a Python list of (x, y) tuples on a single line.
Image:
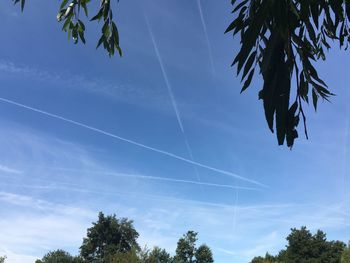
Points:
[(44, 209), (111, 89), (7, 169)]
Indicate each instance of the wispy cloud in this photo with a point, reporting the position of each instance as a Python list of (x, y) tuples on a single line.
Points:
[(111, 89), (7, 169), (39, 226), (37, 216), (169, 154)]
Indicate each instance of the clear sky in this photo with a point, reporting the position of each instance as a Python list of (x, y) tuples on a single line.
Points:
[(161, 136)]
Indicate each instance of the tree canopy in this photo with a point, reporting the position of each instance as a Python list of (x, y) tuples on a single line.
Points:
[(187, 251), (345, 257), (107, 236), (59, 256), (305, 247), (114, 240), (280, 39)]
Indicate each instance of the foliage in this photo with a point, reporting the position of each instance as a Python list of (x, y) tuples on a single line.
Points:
[(186, 248), (59, 256), (283, 38), (113, 240), (345, 257), (204, 255), (267, 259), (70, 15), (305, 247), (187, 252), (157, 255), (2, 259), (125, 257), (108, 236)]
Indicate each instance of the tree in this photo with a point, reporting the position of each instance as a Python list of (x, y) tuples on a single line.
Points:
[(108, 236), (345, 257), (204, 254), (305, 247), (186, 248), (2, 259), (281, 38), (125, 257), (158, 255), (59, 256), (187, 252)]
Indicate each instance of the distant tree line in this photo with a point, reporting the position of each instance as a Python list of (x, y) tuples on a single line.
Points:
[(305, 247), (114, 240)]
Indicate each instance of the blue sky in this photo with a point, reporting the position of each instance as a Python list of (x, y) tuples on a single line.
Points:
[(57, 175)]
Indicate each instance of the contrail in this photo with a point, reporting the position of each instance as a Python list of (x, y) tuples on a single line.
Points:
[(235, 211), (189, 150), (156, 178), (169, 154), (206, 36), (171, 95), (165, 76), (117, 193)]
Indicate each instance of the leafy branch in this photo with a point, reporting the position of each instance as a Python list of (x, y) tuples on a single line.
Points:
[(284, 38), (69, 15)]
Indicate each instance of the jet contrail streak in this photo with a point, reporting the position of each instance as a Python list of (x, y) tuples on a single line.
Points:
[(116, 193), (206, 36), (235, 211), (171, 95), (169, 154), (165, 76), (156, 178), (189, 150)]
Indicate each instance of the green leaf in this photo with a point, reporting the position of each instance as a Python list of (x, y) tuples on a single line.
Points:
[(101, 40), (249, 64), (248, 81), (239, 5), (314, 99), (81, 35), (63, 4), (22, 4)]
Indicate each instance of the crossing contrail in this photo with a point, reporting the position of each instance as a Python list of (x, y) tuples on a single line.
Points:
[(156, 178), (79, 189), (206, 36), (166, 153), (165, 75), (171, 95), (190, 153)]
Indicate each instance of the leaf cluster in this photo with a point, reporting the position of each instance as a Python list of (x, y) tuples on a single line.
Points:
[(70, 15), (305, 247), (281, 40)]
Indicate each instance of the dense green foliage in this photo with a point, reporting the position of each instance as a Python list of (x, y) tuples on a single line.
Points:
[(73, 22), (108, 236), (187, 252), (345, 257), (204, 255), (305, 247), (59, 256), (282, 38), (114, 240)]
